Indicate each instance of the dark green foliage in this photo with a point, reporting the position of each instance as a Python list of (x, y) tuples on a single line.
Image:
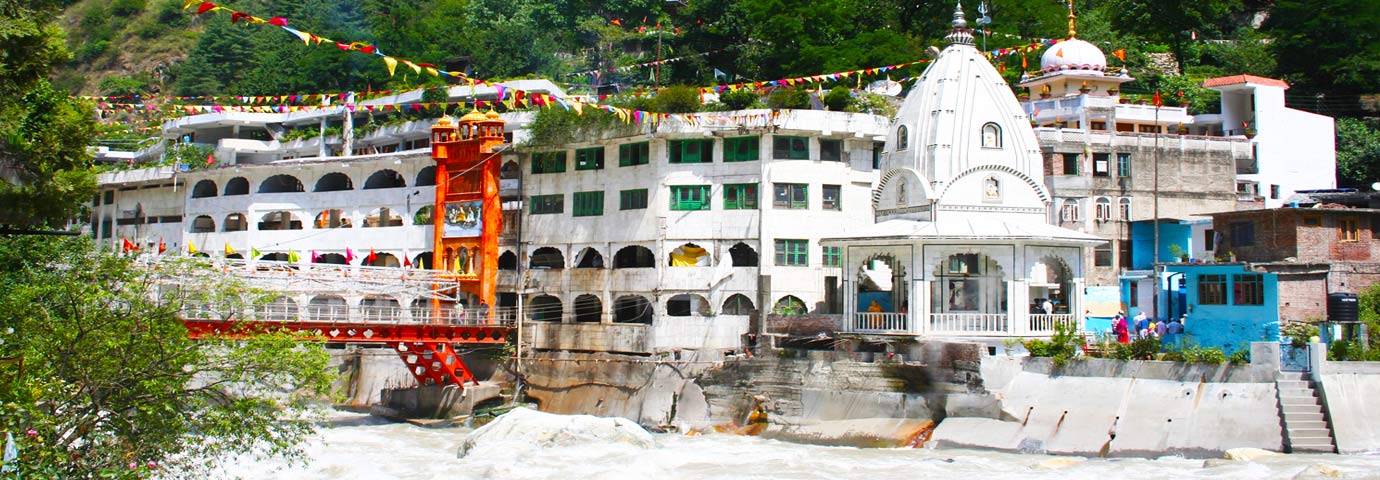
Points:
[(1138, 349), (122, 85), (1358, 152), (739, 99), (838, 99), (785, 98), (678, 99), (1327, 46), (1242, 356)]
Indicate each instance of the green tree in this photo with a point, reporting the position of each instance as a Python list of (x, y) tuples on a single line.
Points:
[(1358, 152), (1327, 45), (110, 378), (1173, 22), (43, 132)]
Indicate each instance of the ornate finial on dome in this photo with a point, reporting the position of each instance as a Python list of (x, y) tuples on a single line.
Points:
[(960, 34), (1072, 21)]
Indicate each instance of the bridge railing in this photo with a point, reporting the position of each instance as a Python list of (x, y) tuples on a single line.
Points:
[(339, 313)]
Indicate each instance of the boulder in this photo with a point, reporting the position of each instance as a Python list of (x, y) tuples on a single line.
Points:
[(1319, 470), (862, 432), (1247, 454), (526, 429)]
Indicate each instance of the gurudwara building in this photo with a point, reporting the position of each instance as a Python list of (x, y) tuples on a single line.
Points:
[(962, 244)]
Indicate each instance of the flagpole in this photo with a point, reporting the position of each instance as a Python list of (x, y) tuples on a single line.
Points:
[(1155, 195)]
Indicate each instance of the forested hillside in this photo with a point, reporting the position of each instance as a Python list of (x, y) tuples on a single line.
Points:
[(1329, 51)]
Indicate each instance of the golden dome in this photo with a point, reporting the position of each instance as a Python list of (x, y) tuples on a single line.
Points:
[(444, 121), (473, 116), (492, 115)]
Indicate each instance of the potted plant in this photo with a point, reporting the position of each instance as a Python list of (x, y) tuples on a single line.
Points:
[(1113, 91), (1044, 92), (1248, 130), (1084, 89), (1181, 129)]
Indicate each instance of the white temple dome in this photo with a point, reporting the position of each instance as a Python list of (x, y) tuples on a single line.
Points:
[(1073, 54)]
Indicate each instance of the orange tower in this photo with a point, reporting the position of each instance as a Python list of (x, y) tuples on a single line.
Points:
[(468, 213)]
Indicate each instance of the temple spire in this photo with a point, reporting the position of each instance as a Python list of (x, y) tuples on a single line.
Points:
[(1072, 21), (960, 35)]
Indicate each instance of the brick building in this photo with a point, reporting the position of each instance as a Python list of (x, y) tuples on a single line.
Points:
[(1328, 245)]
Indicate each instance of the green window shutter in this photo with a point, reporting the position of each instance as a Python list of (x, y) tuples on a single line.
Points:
[(589, 158), (741, 149), (631, 154), (833, 256), (792, 253), (690, 197), (742, 196), (548, 162), (632, 199), (547, 204), (589, 204), (786, 147)]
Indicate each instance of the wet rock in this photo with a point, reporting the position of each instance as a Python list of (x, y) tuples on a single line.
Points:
[(862, 432), (1246, 454), (1217, 462), (982, 433), (1319, 470), (527, 429), (1057, 463)]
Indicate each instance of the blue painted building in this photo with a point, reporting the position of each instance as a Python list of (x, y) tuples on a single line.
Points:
[(1227, 305)]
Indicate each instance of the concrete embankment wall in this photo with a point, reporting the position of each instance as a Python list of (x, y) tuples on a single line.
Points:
[(1352, 390), (652, 390), (361, 373), (1097, 407)]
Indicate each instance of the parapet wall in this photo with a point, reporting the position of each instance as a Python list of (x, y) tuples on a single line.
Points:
[(1097, 407), (1351, 390)]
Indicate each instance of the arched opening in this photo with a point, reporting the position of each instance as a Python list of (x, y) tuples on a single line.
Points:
[(237, 186), (274, 257), (281, 184), (234, 256), (328, 308), (276, 309), (991, 136), (632, 309), (1051, 283), (738, 304), (547, 257), (634, 256), (383, 217), (384, 179), (203, 224), (685, 304), (545, 308), (203, 189), (743, 255), (881, 282), (382, 260), (280, 220), (1069, 211), (1124, 205), (1102, 209), (508, 261), (380, 309), (509, 170), (423, 261), (902, 138), (235, 222), (588, 309), (423, 215), (690, 255), (789, 305), (426, 177), (331, 219), (331, 259), (968, 294), (589, 258), (334, 182)]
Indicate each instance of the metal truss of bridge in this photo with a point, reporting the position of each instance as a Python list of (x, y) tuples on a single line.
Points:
[(426, 334)]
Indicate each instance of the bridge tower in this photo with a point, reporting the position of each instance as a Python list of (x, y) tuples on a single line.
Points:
[(468, 215)]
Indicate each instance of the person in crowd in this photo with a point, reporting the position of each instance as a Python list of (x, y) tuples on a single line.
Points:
[(1121, 329), (1174, 327)]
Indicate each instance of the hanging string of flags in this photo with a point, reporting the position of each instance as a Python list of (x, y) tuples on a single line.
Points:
[(296, 99), (789, 82), (599, 71)]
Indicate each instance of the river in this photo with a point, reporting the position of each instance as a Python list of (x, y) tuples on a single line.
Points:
[(355, 446)]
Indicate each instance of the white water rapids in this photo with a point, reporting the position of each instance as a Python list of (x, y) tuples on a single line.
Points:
[(357, 446)]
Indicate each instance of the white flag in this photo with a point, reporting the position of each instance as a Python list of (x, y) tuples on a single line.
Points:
[(11, 455)]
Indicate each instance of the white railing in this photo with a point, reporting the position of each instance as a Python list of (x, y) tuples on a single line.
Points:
[(880, 322), (969, 323), (1043, 324), (340, 313)]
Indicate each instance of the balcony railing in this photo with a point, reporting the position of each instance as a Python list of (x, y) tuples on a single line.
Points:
[(1043, 324), (338, 313), (880, 322), (969, 323)]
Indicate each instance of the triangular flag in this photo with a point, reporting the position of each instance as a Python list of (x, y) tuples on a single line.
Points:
[(254, 252), (210, 160), (407, 262), (191, 248), (392, 64), (1158, 103), (162, 247), (228, 249), (349, 255), (372, 256), (292, 256), (1119, 54)]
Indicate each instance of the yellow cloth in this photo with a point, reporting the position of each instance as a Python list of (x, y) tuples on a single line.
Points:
[(689, 257)]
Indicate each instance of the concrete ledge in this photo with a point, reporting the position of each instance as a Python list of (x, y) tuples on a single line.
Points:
[(434, 401)]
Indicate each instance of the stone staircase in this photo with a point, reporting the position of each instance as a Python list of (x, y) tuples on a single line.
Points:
[(1306, 426)]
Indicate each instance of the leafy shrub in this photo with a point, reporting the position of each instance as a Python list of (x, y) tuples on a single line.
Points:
[(1240, 357), (1204, 355), (126, 8), (739, 99), (678, 99), (838, 99), (89, 51), (1061, 347), (1298, 333), (121, 85), (789, 98), (1138, 349), (873, 103)]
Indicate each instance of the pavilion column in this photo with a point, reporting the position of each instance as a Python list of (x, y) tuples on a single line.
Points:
[(1076, 303), (917, 315), (1018, 308)]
